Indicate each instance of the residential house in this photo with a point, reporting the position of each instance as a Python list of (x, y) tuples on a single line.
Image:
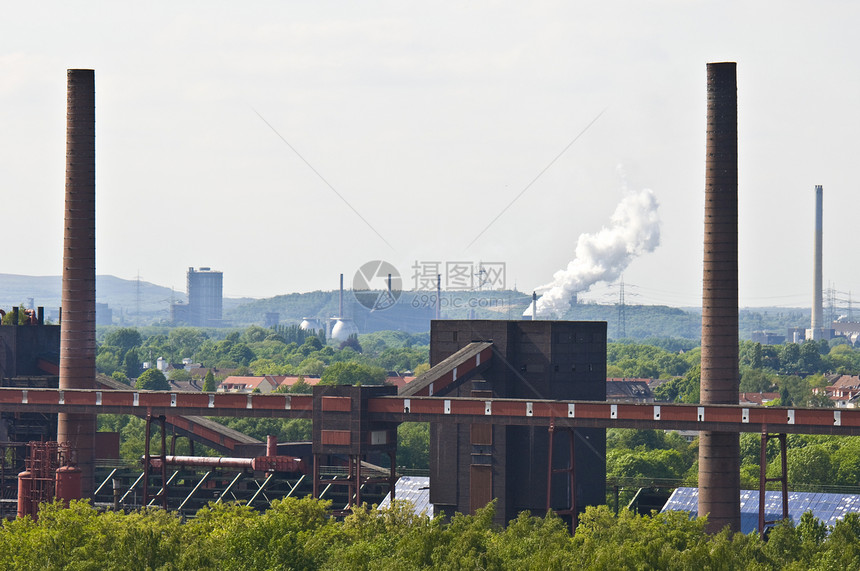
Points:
[(842, 390), (628, 390), (756, 399), (236, 384)]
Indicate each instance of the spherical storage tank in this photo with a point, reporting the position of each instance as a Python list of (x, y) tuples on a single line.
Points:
[(311, 324), (343, 329)]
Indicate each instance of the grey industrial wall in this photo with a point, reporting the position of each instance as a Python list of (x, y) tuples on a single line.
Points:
[(22, 346)]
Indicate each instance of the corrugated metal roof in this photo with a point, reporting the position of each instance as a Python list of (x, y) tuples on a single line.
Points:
[(828, 508), (416, 489)]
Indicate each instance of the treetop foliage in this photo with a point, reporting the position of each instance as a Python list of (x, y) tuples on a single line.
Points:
[(299, 534), (283, 350), (351, 373), (152, 380)]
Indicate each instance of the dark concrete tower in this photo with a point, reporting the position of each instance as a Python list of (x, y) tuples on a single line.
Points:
[(78, 325), (719, 464)]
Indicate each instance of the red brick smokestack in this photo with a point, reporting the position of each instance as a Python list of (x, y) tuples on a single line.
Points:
[(78, 325), (719, 464)]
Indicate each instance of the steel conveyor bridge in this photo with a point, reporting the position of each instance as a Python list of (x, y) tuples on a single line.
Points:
[(501, 411)]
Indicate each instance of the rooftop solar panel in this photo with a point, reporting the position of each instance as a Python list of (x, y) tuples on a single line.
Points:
[(828, 508)]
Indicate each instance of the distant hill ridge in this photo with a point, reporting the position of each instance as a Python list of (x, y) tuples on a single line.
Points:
[(122, 296)]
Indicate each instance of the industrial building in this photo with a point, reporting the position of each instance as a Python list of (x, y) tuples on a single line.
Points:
[(205, 300), (472, 464)]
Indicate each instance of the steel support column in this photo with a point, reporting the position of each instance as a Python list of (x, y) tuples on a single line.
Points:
[(763, 479), (146, 457), (147, 460), (570, 470)]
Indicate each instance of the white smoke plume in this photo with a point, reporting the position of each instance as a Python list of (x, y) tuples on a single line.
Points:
[(634, 229)]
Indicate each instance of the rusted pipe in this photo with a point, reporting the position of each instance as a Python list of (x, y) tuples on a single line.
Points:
[(206, 461), (258, 464)]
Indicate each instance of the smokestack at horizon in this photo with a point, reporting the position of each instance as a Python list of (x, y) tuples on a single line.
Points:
[(340, 307), (719, 452), (78, 325), (438, 296), (817, 284)]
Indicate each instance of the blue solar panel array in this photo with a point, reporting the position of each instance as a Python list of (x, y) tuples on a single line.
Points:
[(416, 490), (828, 508)]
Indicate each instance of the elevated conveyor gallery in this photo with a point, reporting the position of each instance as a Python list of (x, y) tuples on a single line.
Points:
[(472, 359)]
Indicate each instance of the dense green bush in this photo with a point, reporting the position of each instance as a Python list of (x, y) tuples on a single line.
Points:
[(299, 534)]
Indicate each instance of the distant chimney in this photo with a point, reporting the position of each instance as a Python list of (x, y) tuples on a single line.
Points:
[(817, 285), (438, 296), (340, 309)]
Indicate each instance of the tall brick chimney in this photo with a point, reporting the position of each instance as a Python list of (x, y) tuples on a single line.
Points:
[(78, 325), (719, 463)]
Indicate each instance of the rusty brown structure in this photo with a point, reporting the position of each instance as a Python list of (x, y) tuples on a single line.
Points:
[(344, 433), (719, 464), (533, 360), (78, 325)]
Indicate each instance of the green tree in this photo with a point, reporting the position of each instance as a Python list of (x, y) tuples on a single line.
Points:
[(125, 338), (352, 342), (810, 357), (789, 358), (266, 367), (310, 345), (682, 389), (209, 384), (312, 366), (108, 360), (810, 465), (241, 354), (120, 376), (152, 380), (179, 375), (352, 373), (413, 445), (255, 334), (843, 359), (756, 380), (184, 342), (131, 364)]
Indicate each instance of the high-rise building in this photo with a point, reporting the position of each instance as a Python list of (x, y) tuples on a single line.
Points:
[(205, 299)]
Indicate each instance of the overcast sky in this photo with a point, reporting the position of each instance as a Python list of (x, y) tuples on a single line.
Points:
[(429, 119)]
